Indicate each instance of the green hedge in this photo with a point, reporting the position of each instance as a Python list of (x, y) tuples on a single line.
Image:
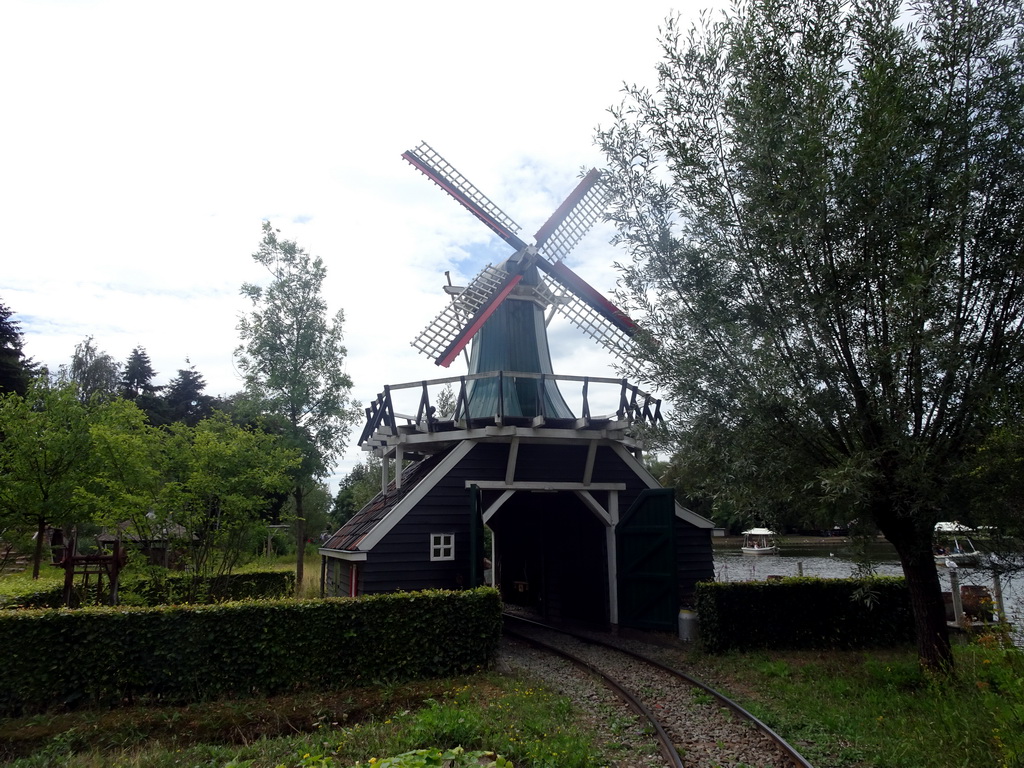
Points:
[(798, 613), (172, 588), (107, 656)]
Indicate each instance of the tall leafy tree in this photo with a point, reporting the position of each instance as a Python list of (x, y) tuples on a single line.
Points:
[(15, 369), (44, 458), (292, 359), (94, 371), (124, 477), (821, 202), (220, 478), (358, 487)]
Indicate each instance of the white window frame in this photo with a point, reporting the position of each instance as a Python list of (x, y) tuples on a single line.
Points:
[(442, 546)]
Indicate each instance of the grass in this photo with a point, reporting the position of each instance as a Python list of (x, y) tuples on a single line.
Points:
[(840, 709), (21, 582), (527, 725), (879, 710)]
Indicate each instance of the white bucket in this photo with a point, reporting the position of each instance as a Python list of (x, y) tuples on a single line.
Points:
[(687, 625)]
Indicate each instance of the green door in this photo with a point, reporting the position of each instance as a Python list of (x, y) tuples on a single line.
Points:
[(645, 545)]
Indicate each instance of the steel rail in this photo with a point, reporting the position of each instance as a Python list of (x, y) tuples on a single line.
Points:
[(799, 760), (665, 743)]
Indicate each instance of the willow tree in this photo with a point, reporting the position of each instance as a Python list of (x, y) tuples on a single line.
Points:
[(292, 357), (822, 205)]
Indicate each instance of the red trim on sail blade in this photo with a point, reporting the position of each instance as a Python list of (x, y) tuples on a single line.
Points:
[(589, 294), (445, 359), (566, 207), (435, 176)]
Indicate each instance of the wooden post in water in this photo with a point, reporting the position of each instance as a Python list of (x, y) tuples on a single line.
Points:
[(954, 585), (997, 594)]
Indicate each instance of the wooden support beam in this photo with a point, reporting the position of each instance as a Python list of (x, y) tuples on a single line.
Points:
[(513, 456), (522, 485), (399, 459), (588, 470), (613, 565), (493, 509), (595, 506)]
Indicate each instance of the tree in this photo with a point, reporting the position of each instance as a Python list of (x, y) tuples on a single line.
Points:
[(44, 455), (15, 369), (95, 372), (124, 477), (821, 202), (316, 513), (360, 485), (137, 376), (184, 398), (995, 484), (219, 480), (291, 357)]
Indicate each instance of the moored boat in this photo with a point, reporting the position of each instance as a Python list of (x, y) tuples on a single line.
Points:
[(759, 541), (953, 545)]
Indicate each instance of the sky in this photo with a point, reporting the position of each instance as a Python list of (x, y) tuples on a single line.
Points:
[(144, 143)]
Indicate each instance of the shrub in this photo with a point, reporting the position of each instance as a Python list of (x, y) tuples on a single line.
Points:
[(804, 613), (107, 656)]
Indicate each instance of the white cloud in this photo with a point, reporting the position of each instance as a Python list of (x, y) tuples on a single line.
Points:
[(145, 142)]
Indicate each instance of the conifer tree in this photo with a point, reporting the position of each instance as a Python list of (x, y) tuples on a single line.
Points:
[(15, 370)]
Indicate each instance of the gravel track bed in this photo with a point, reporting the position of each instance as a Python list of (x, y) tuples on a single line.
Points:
[(706, 734)]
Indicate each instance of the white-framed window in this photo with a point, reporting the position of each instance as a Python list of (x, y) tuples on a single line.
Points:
[(442, 546)]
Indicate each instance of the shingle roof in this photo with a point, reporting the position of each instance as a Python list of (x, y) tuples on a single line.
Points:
[(348, 537)]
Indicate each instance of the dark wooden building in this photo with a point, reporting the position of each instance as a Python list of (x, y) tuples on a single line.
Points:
[(579, 529)]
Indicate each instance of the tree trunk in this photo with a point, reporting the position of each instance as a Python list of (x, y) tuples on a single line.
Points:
[(300, 539), (914, 546), (37, 556)]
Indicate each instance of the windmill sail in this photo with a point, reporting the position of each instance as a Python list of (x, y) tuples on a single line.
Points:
[(514, 338), (443, 173), (561, 233), (449, 329)]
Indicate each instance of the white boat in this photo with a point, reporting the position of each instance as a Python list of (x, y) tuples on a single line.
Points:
[(953, 545), (759, 541)]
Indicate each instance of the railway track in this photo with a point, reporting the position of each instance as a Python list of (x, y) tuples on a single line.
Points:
[(693, 724)]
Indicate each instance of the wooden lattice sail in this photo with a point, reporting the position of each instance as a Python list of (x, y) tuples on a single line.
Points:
[(488, 294)]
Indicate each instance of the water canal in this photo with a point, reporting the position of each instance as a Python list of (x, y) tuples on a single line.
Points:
[(835, 558)]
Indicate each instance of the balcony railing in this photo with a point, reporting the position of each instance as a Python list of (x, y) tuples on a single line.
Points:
[(506, 398)]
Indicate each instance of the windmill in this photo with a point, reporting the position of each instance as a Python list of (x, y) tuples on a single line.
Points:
[(504, 306), (514, 458)]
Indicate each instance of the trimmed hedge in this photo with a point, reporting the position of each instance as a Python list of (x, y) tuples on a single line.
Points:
[(173, 588), (804, 613), (108, 656)]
